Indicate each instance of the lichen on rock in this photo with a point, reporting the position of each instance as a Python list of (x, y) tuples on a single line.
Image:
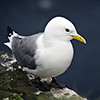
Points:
[(15, 85)]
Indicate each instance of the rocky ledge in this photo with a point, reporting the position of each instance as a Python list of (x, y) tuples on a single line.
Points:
[(16, 84)]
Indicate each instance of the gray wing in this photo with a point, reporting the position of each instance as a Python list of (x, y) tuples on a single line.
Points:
[(24, 50)]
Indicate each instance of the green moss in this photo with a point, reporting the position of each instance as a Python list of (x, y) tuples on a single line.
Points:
[(2, 52), (15, 81), (16, 96), (16, 86)]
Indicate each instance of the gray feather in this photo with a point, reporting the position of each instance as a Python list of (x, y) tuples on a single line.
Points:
[(24, 50)]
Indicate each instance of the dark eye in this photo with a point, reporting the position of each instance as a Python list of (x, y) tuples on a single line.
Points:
[(67, 30)]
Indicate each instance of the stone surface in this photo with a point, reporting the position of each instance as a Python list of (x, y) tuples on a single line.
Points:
[(16, 84)]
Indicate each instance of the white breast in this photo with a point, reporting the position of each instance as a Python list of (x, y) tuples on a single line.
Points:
[(54, 60)]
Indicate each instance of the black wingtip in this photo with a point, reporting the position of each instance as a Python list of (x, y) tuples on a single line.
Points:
[(9, 31)]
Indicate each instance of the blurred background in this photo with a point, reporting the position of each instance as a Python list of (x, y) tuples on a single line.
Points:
[(30, 16)]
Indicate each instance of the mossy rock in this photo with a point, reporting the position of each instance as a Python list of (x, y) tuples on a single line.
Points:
[(15, 85)]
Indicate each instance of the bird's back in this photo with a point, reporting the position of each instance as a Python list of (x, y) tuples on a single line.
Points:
[(23, 48)]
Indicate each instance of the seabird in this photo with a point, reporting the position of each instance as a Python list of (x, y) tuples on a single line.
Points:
[(46, 54)]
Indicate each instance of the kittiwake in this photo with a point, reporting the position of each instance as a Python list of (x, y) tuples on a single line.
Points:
[(46, 54)]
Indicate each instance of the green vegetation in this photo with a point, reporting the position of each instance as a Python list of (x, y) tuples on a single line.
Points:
[(15, 85)]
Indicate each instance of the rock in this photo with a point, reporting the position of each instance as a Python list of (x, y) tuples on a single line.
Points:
[(16, 84)]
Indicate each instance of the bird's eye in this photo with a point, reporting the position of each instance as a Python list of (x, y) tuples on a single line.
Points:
[(67, 30)]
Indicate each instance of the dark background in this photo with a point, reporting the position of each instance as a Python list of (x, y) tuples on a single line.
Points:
[(30, 16)]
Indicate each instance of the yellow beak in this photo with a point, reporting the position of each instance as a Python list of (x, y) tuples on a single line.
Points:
[(80, 38)]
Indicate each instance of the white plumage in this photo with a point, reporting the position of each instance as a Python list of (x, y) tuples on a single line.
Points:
[(50, 52)]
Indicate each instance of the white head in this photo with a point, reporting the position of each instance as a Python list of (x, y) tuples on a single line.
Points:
[(63, 29)]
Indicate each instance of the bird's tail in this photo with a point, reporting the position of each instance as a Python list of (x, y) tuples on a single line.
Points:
[(10, 35), (9, 31)]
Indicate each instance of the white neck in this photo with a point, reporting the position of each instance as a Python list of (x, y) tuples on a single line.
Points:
[(50, 39)]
